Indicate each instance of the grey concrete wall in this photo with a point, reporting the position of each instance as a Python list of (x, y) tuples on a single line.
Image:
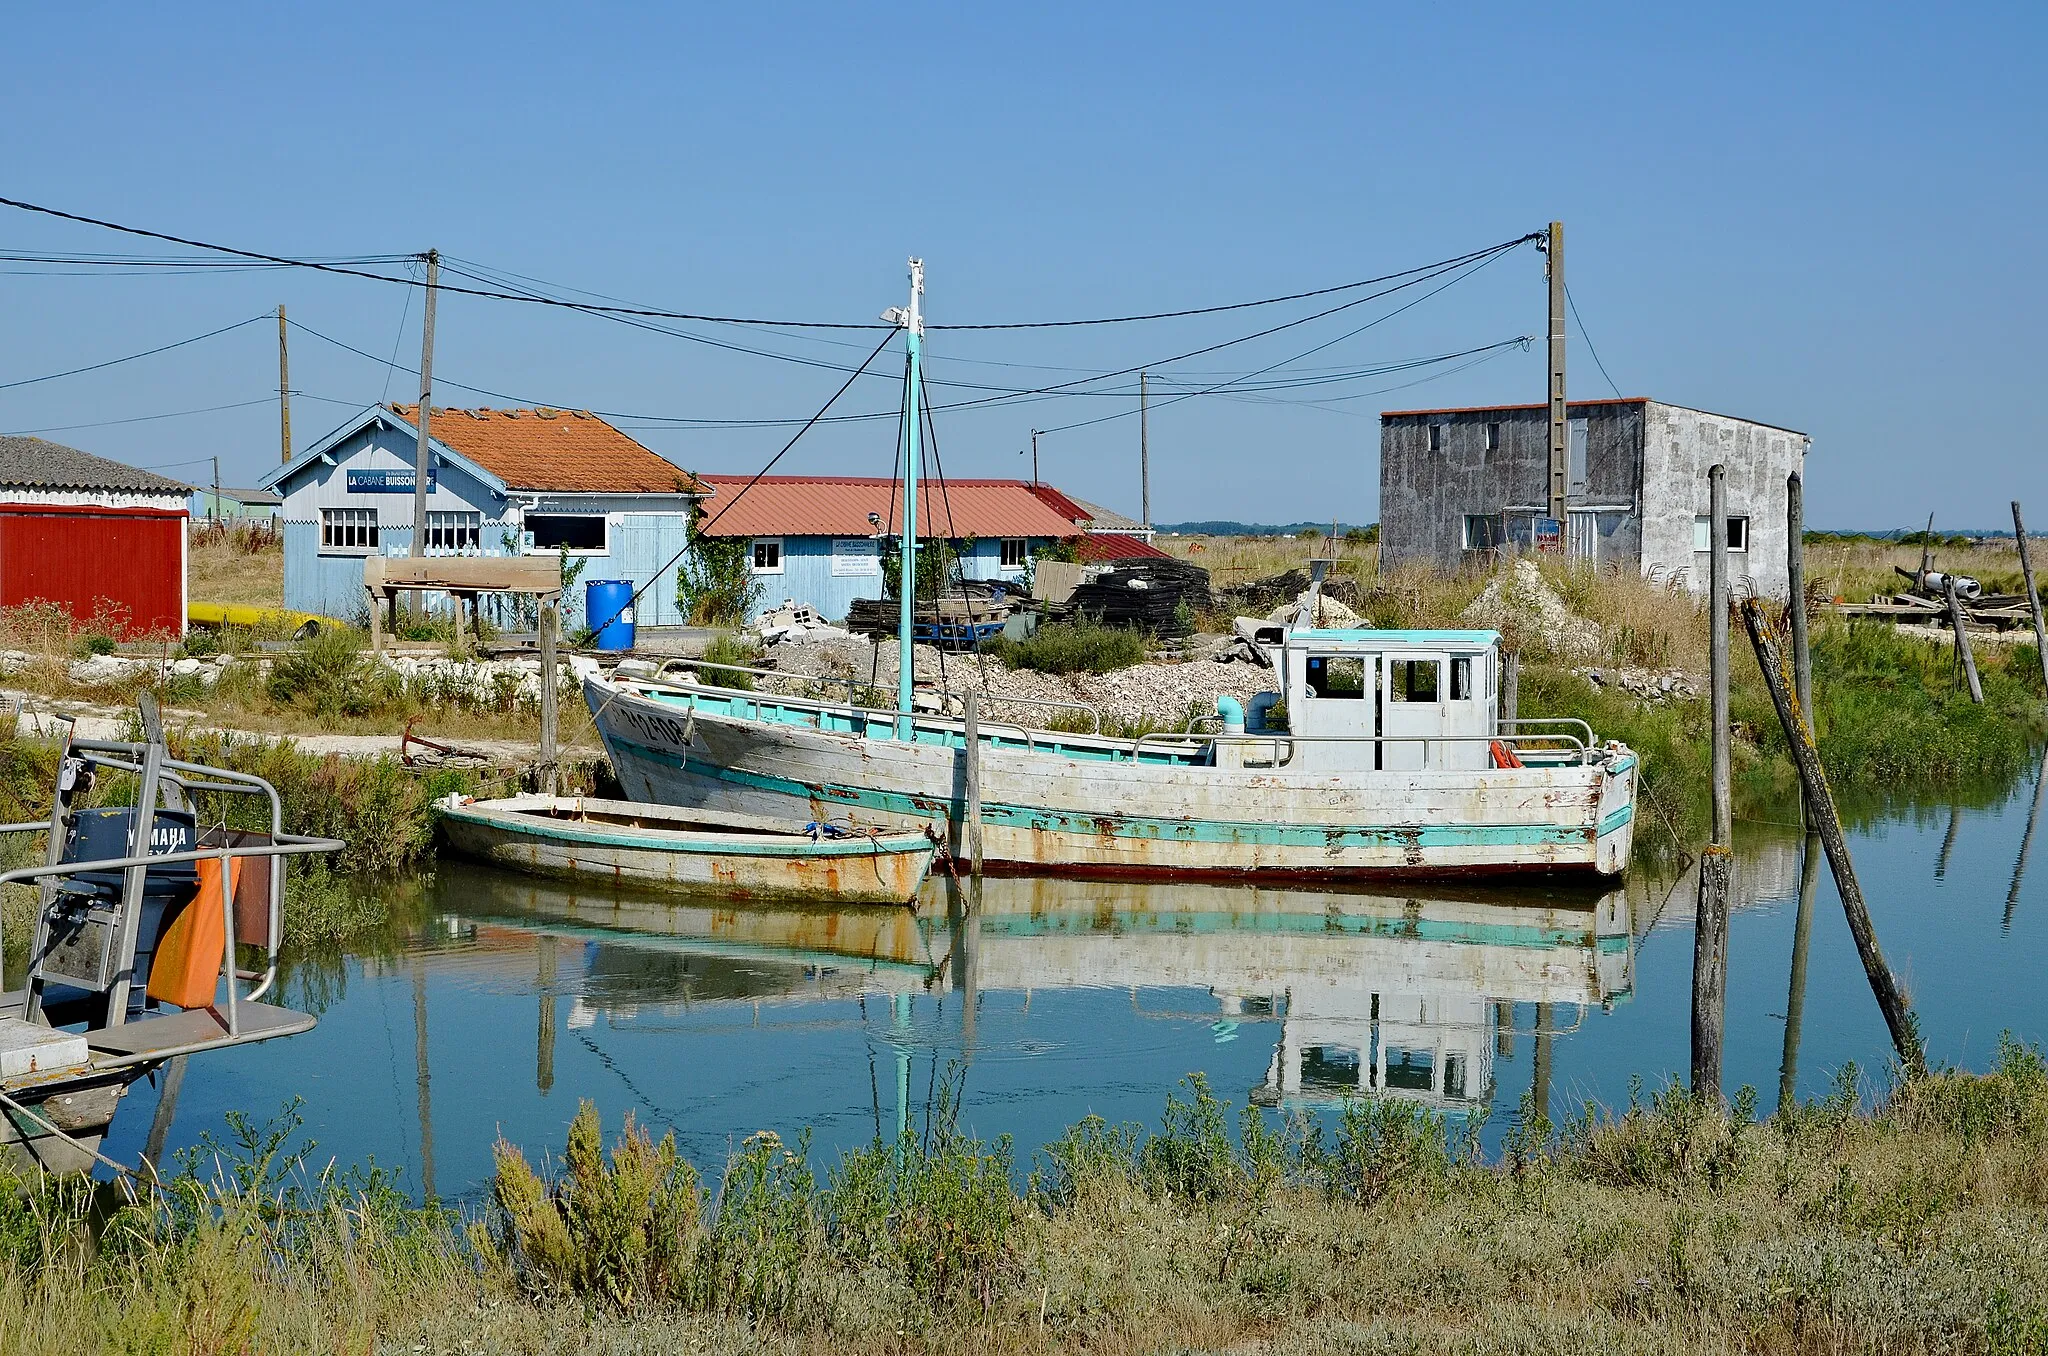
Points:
[(1679, 447), (1425, 496)]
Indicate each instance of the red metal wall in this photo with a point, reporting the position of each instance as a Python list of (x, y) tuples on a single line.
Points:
[(126, 561)]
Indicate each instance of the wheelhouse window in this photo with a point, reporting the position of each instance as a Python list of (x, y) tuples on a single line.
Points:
[(1461, 678), (767, 556), (1013, 553), (348, 529), (1703, 532), (1413, 680), (455, 534), (1337, 675), (567, 531)]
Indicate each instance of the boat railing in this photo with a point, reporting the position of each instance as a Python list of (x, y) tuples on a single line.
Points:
[(1514, 725), (285, 845), (853, 685), (1577, 749)]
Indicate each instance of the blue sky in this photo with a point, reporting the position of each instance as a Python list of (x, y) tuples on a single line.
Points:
[(1821, 217)]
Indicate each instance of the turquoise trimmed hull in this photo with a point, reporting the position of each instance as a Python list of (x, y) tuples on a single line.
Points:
[(1080, 805)]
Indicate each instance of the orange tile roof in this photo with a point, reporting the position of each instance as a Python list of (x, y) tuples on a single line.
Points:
[(838, 506), (565, 451)]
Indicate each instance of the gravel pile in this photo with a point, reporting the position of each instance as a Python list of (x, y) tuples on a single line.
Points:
[(1522, 607), (1158, 692)]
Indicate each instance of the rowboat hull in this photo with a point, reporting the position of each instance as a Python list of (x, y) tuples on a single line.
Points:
[(551, 836), (1093, 807)]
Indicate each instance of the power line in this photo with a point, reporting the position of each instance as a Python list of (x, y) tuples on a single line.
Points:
[(347, 271), (146, 418), (1232, 306), (1589, 340), (115, 362)]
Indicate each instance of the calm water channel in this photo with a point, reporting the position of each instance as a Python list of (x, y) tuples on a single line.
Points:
[(508, 999)]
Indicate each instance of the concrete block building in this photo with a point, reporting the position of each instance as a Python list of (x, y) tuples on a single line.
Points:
[(1463, 485)]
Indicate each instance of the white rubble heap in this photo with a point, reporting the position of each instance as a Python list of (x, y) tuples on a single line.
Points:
[(1526, 610)]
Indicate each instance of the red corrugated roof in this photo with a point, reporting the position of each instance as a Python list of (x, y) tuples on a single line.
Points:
[(568, 451), (1100, 546), (838, 506)]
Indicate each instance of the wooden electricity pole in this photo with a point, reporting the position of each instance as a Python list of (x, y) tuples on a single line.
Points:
[(1144, 456), (420, 472), (1560, 432), (284, 390)]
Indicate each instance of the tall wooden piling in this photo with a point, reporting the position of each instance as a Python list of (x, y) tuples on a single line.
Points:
[(1795, 578), (550, 692), (2019, 532), (1795, 992), (1963, 652), (972, 753), (1826, 822), (1510, 692), (1710, 917)]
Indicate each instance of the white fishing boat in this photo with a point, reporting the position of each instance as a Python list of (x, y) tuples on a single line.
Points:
[(1380, 753)]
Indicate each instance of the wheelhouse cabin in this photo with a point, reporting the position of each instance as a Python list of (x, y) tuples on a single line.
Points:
[(1397, 700)]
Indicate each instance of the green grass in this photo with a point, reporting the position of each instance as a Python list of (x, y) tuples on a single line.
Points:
[(1918, 1225), (1073, 647)]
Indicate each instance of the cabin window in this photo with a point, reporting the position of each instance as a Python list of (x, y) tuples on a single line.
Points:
[(1329, 1068), (1493, 437), (1410, 1070), (455, 534), (854, 557), (1454, 1076), (1337, 675), (768, 555), (1436, 437), (348, 529), (566, 532), (1461, 678), (1412, 680), (1703, 532), (1013, 553)]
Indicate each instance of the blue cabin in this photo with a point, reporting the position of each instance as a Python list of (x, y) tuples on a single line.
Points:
[(818, 539), (499, 482)]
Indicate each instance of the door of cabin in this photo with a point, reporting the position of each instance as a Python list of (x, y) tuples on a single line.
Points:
[(1412, 691)]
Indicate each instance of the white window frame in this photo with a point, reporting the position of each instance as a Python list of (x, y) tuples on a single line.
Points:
[(781, 557), (1023, 559), (526, 533), (349, 517), (463, 523), (862, 563), (1703, 533)]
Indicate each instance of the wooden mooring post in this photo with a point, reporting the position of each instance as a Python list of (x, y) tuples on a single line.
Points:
[(550, 693), (1795, 579), (972, 753), (1826, 823), (2019, 532), (1963, 652), (1710, 917)]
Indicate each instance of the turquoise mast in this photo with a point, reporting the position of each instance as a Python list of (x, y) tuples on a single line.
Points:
[(912, 321)]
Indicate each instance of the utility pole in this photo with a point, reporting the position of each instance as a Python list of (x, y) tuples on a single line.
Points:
[(419, 464), (284, 390), (1144, 457), (1034, 457), (1560, 432), (213, 513)]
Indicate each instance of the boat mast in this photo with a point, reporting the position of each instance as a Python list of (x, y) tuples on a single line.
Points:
[(912, 321)]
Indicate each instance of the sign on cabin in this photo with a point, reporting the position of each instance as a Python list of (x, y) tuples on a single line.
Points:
[(389, 481)]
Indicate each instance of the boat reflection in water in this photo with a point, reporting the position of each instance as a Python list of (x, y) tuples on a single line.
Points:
[(1404, 994)]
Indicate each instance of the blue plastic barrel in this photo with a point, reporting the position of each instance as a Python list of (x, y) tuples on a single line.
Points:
[(608, 605)]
